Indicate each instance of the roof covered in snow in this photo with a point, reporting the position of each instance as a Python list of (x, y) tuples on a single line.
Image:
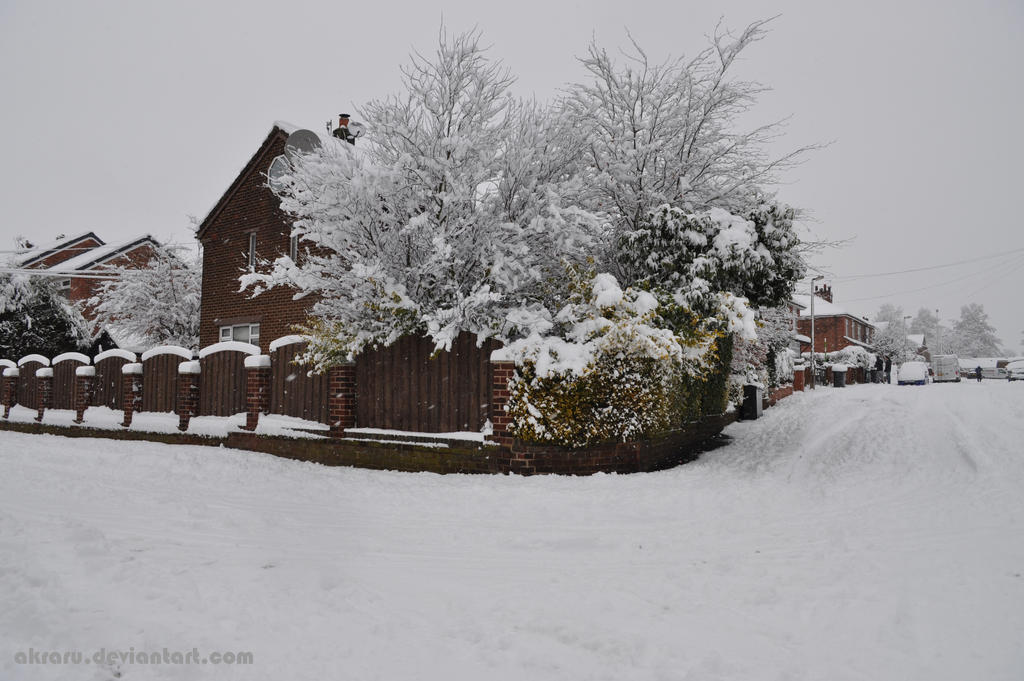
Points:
[(97, 257), (64, 243), (823, 308)]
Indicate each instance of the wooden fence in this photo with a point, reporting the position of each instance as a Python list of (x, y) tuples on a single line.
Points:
[(63, 396), (294, 390), (222, 379), (108, 384), (160, 379), (28, 391), (406, 387)]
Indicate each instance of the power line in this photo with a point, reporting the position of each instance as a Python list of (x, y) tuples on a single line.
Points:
[(1002, 270), (931, 267)]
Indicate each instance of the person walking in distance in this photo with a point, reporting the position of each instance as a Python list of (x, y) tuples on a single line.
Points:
[(977, 373), (888, 369)]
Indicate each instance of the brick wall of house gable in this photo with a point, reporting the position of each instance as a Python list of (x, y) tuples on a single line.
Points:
[(830, 329), (84, 288), (250, 208)]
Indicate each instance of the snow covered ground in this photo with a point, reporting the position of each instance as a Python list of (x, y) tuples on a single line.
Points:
[(873, 532)]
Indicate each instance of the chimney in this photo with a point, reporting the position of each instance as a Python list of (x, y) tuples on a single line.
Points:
[(824, 292), (342, 132)]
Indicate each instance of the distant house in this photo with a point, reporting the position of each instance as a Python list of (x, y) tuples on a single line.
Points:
[(245, 226), (834, 327), (78, 262)]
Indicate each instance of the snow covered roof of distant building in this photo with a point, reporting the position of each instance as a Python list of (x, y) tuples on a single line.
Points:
[(916, 338), (37, 253), (98, 256), (823, 308)]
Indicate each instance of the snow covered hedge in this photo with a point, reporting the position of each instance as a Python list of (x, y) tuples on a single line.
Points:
[(614, 373)]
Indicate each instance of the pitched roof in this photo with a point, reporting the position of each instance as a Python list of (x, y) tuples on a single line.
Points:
[(38, 253), (823, 308), (277, 131), (97, 256)]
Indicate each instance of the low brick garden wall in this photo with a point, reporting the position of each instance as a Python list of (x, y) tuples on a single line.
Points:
[(662, 452)]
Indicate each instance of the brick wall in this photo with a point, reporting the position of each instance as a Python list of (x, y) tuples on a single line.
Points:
[(248, 207), (84, 288)]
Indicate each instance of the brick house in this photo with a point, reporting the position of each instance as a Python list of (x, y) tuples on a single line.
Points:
[(834, 327), (84, 257), (247, 225)]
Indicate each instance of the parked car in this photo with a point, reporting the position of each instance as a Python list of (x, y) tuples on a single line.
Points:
[(912, 373), (945, 368), (1015, 371)]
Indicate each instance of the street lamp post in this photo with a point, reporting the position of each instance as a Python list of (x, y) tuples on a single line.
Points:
[(906, 340), (814, 369), (938, 333)]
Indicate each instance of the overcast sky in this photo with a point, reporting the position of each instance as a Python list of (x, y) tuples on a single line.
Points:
[(126, 117)]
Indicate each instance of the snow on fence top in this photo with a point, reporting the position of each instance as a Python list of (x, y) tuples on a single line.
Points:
[(85, 371), (77, 356), (116, 352), (45, 372), (11, 372), (7, 363), (257, 362), (224, 346), (184, 353), (191, 367), (133, 368), (287, 340), (34, 358)]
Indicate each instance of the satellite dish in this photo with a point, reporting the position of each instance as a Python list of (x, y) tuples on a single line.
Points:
[(279, 167), (356, 129), (301, 142)]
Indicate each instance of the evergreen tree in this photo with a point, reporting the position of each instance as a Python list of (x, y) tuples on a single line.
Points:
[(35, 317), (972, 335)]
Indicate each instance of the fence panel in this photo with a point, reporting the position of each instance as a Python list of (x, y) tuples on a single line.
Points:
[(63, 396), (294, 391), (222, 383), (401, 387), (28, 392), (108, 383), (159, 382)]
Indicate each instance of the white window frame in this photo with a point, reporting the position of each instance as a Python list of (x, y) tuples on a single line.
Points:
[(252, 251), (227, 333)]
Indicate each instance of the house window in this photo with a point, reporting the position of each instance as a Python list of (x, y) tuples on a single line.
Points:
[(65, 288), (246, 333), (252, 251), (293, 249)]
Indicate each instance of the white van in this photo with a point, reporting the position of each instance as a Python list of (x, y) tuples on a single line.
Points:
[(945, 368)]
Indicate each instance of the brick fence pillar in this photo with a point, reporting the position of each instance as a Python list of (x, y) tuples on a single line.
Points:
[(10, 390), (500, 420), (188, 393), (341, 398), (131, 391), (798, 379), (84, 380), (257, 389), (44, 382)]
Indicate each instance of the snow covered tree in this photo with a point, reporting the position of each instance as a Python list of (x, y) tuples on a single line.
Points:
[(890, 314), (155, 304), (695, 256), (972, 335), (441, 220), (35, 317), (669, 133)]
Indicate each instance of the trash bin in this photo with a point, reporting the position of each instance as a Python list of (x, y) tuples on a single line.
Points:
[(839, 375), (752, 396)]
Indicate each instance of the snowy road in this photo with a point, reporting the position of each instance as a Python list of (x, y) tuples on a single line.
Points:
[(874, 532)]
